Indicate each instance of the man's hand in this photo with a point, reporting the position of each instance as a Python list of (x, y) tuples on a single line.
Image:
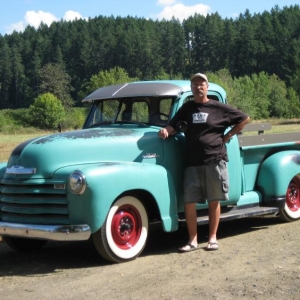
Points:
[(235, 130), (165, 132)]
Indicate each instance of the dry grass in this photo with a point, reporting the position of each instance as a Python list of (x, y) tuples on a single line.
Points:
[(281, 125), (285, 128), (9, 141)]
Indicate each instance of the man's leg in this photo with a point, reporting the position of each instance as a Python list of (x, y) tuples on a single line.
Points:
[(214, 219), (191, 222)]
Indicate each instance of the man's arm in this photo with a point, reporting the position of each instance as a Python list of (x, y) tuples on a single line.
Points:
[(235, 130)]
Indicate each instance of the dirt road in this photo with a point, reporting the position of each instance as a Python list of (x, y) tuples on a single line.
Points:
[(257, 259)]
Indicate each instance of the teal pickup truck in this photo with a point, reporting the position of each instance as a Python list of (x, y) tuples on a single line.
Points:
[(113, 178)]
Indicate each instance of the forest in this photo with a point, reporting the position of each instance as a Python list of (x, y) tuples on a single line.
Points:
[(255, 57)]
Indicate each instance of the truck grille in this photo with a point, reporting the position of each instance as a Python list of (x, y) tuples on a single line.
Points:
[(33, 204)]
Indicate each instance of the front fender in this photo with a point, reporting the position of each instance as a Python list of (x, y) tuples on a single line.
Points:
[(106, 181), (276, 172)]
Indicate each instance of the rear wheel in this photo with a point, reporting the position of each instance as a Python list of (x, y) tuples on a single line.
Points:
[(124, 233), (22, 244), (291, 211)]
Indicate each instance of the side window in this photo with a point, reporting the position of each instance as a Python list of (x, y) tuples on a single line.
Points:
[(160, 111)]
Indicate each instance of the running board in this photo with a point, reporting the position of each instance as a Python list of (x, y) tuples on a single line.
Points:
[(238, 213)]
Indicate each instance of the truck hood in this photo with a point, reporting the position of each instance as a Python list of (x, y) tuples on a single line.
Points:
[(41, 157)]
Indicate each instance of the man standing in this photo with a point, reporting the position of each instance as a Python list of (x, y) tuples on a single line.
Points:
[(206, 175)]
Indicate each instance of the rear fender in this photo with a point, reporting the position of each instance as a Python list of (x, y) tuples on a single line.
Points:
[(107, 181), (276, 172)]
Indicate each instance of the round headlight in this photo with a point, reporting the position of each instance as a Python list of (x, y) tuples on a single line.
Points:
[(77, 182)]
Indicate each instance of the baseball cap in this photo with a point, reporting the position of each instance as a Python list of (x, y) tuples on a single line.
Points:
[(199, 75)]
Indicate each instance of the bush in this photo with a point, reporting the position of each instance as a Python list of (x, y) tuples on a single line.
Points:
[(16, 116), (3, 120), (74, 118), (17, 120), (46, 112)]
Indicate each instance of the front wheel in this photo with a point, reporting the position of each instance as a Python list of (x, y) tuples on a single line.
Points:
[(124, 233), (291, 211)]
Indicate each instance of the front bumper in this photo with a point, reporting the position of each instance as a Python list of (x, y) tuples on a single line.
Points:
[(46, 232)]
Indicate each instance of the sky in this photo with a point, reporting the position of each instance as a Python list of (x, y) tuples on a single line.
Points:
[(17, 14)]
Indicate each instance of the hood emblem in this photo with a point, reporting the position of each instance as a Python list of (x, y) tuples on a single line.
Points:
[(20, 170)]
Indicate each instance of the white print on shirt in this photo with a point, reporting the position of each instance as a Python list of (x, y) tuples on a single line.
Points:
[(200, 117)]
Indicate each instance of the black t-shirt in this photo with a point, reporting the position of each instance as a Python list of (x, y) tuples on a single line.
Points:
[(206, 125)]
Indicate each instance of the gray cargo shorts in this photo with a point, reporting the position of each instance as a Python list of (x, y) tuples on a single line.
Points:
[(208, 182)]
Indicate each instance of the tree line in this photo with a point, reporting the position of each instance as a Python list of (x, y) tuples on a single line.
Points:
[(256, 58)]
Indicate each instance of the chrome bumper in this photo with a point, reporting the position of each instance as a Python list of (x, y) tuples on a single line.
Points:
[(46, 232)]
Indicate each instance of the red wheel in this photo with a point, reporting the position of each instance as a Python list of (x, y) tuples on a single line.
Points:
[(124, 234), (291, 211), (126, 226)]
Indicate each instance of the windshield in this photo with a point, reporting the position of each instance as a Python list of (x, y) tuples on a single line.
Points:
[(147, 110)]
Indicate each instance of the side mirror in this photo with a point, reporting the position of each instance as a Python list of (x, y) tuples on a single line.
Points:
[(181, 126)]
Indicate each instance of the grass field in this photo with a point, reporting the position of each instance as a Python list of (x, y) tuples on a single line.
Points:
[(281, 128), (9, 141)]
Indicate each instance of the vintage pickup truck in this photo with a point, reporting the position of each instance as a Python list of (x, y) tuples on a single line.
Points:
[(115, 177)]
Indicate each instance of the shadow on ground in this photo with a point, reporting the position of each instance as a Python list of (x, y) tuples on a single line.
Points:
[(68, 255), (162, 243)]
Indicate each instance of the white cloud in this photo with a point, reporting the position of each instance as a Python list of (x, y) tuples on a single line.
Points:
[(34, 19), (165, 2), (71, 15), (15, 27), (181, 12)]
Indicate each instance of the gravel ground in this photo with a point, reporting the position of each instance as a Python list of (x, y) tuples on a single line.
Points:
[(258, 259)]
